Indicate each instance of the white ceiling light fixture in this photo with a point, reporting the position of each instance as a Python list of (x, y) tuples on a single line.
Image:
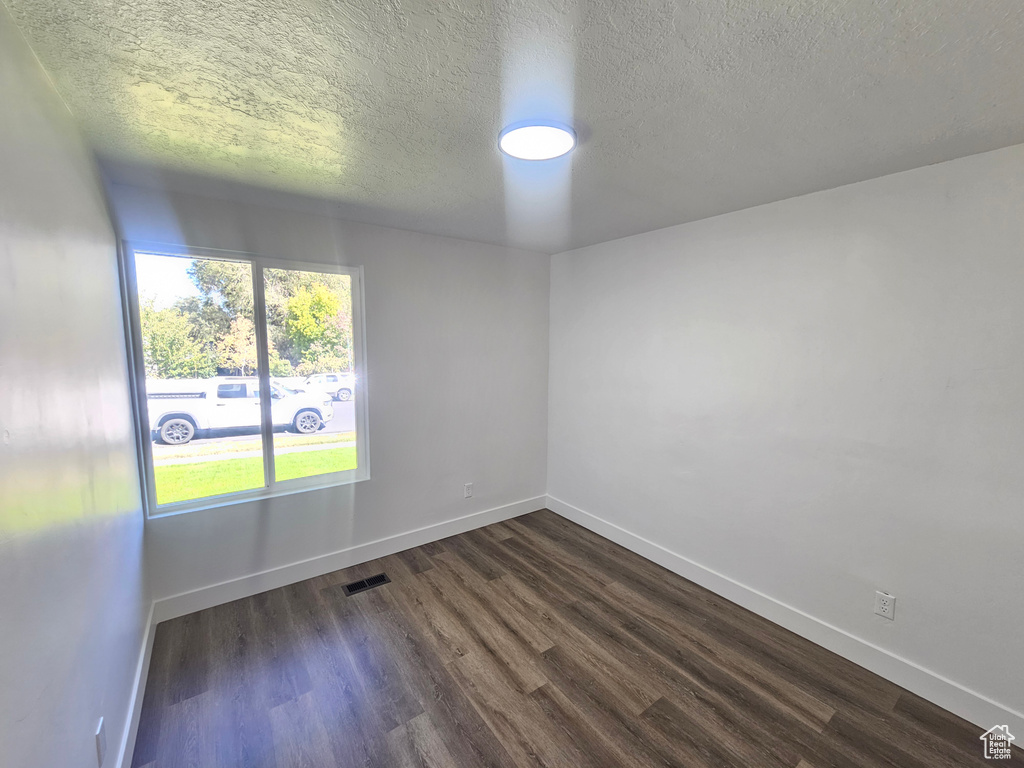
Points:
[(536, 141)]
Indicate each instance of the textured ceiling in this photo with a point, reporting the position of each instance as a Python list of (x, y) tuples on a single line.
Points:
[(391, 109)]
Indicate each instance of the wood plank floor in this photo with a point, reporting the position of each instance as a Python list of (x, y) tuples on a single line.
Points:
[(532, 642)]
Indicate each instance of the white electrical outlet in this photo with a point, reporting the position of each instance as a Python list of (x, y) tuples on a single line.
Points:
[(467, 491), (885, 605), (101, 742)]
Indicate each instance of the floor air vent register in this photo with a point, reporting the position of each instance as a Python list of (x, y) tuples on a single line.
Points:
[(364, 584)]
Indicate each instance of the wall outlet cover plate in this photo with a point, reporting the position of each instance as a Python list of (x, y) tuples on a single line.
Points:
[(885, 605)]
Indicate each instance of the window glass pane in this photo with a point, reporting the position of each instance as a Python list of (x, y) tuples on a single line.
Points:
[(231, 390), (199, 348), (309, 324)]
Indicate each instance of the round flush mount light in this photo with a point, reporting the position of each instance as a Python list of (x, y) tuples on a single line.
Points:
[(531, 141)]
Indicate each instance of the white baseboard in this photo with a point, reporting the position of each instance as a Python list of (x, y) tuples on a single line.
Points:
[(131, 728), (968, 704), (226, 591)]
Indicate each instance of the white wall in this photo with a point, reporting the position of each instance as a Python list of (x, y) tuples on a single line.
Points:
[(72, 608), (457, 362), (819, 398)]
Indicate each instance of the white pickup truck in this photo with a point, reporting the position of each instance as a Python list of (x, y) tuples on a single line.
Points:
[(180, 407), (340, 386)]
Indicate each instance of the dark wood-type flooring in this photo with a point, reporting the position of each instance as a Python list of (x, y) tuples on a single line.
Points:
[(532, 642)]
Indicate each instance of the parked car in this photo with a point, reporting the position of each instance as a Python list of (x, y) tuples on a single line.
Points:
[(340, 386), (180, 407)]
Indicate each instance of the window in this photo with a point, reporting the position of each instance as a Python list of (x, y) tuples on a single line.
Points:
[(248, 375), (225, 390)]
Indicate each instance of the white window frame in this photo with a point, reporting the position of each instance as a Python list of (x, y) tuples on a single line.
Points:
[(137, 377)]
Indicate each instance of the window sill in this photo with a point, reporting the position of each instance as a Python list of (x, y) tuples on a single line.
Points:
[(284, 488)]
